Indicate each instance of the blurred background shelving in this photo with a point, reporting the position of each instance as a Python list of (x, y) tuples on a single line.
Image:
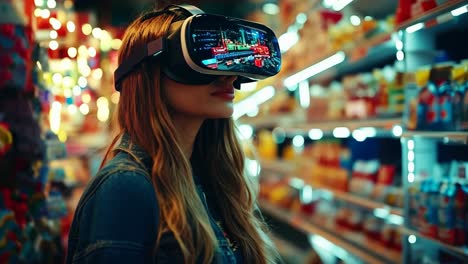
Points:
[(332, 139)]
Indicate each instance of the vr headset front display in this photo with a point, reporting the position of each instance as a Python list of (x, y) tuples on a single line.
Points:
[(202, 47)]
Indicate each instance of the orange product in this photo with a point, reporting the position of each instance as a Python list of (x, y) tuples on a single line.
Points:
[(267, 148)]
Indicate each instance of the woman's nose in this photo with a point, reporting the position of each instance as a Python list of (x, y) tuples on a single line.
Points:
[(228, 78)]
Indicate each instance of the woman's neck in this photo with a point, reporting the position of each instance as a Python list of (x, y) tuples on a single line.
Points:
[(187, 129)]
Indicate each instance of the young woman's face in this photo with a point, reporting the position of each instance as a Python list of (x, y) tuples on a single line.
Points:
[(214, 100)]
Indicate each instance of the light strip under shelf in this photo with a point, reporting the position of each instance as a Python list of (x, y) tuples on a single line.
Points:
[(460, 11), (340, 4), (315, 69), (253, 101)]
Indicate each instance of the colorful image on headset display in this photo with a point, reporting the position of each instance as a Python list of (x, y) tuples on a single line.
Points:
[(238, 49)]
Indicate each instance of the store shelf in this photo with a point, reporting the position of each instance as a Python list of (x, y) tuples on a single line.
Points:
[(461, 252), (383, 124), (360, 55), (433, 13), (296, 124), (287, 167), (283, 120), (364, 202), (359, 52), (368, 54), (287, 249), (450, 135), (357, 244), (280, 166)]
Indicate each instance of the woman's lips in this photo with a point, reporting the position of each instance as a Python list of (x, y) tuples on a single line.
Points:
[(224, 95), (227, 94)]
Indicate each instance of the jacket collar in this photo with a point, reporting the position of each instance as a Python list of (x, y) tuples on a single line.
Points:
[(134, 150)]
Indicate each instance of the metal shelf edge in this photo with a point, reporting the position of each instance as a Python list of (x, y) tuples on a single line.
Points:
[(461, 251), (298, 222)]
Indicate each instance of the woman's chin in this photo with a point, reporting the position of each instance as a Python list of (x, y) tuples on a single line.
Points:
[(225, 113)]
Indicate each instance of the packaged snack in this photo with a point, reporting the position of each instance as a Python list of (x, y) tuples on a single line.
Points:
[(384, 181), (445, 106), (458, 80), (397, 239), (371, 227), (16, 45), (433, 207), (414, 199), (386, 237), (441, 87), (446, 214), (464, 89)]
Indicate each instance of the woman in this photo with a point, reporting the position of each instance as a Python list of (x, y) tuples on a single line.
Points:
[(173, 189)]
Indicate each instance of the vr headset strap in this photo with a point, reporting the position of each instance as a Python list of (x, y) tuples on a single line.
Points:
[(154, 48), (188, 10)]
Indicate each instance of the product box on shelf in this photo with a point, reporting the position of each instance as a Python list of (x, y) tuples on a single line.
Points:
[(325, 160), (438, 204), (437, 98), (408, 9), (391, 236), (451, 226), (364, 177)]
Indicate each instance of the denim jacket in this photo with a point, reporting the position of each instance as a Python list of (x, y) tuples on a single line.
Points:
[(116, 220)]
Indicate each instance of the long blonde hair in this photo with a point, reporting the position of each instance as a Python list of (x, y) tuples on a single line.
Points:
[(144, 116)]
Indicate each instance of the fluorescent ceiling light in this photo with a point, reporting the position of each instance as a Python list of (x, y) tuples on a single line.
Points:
[(459, 11), (253, 167), (369, 131), (340, 4), (397, 131), (381, 213), (271, 9), (323, 245), (304, 94), (248, 87), (355, 20), (410, 144), (301, 18), (341, 132), (415, 27), (315, 134), (287, 40), (298, 141), (410, 177), (252, 102), (306, 195), (315, 69), (395, 219), (245, 131), (296, 183), (399, 44), (359, 135), (328, 3), (253, 112)]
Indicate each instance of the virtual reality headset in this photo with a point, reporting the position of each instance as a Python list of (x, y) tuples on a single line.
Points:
[(199, 47)]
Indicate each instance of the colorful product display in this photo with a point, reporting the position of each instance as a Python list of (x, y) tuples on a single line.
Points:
[(335, 216), (31, 193), (438, 204), (375, 94), (438, 98), (329, 164), (408, 9)]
